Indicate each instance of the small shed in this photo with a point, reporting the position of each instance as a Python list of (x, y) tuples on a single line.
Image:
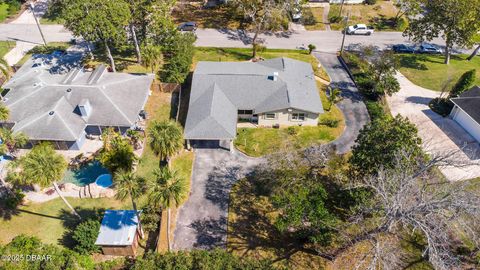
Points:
[(119, 233)]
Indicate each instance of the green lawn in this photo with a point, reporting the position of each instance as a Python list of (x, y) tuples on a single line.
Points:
[(5, 47), (313, 18), (261, 141), (3, 12), (245, 54), (428, 71), (378, 15), (46, 220)]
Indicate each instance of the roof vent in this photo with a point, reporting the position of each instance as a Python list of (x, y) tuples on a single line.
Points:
[(37, 84), (69, 90), (51, 113), (273, 77)]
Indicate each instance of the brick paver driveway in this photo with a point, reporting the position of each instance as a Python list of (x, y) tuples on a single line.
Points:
[(202, 220)]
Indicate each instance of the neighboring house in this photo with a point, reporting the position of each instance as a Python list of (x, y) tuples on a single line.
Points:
[(466, 111), (272, 93), (119, 233), (62, 107)]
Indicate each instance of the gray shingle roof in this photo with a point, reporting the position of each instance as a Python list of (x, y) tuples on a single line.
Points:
[(118, 228), (247, 86), (469, 101), (115, 99)]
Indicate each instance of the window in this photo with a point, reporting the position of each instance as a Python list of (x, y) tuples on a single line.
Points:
[(245, 111), (270, 116), (298, 116)]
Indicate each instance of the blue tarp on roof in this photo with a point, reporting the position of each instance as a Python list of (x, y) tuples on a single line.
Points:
[(118, 228)]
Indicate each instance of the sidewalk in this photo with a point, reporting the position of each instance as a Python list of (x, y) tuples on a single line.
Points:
[(26, 18)]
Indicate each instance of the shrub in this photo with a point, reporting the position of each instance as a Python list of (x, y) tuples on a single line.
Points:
[(307, 17), (329, 122), (291, 131), (401, 24), (370, 2), (85, 235), (311, 48), (13, 6), (335, 19), (464, 83), (200, 259), (442, 106), (375, 109), (366, 86)]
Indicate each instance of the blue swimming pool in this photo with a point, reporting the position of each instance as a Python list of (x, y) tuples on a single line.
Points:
[(104, 180), (85, 175)]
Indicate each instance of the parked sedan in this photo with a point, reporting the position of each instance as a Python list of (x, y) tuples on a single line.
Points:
[(188, 27), (403, 48), (428, 49)]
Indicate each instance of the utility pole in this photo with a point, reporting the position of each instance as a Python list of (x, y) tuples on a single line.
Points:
[(32, 8), (341, 8), (344, 33)]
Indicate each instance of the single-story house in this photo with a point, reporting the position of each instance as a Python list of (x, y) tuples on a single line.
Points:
[(63, 107), (119, 233), (466, 111), (272, 93)]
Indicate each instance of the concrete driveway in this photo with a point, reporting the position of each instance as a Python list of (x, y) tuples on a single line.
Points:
[(202, 220), (441, 136), (351, 105)]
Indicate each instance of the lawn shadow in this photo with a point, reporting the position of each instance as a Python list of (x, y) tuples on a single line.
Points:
[(413, 62), (251, 231)]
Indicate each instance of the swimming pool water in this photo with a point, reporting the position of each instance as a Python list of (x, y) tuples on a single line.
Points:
[(85, 175), (104, 180)]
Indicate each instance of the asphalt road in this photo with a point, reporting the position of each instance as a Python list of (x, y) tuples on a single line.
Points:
[(325, 41)]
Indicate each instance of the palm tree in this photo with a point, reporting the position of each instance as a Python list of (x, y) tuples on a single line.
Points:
[(166, 191), (333, 97), (165, 139), (4, 112), (42, 166), (5, 68), (152, 57), (13, 140), (127, 184)]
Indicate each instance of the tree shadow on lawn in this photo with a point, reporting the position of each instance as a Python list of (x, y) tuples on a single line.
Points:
[(413, 62), (70, 222), (251, 231)]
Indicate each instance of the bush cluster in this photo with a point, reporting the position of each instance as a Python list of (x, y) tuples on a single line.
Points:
[(85, 235)]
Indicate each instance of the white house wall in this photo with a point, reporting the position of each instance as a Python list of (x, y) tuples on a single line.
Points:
[(467, 122), (283, 118)]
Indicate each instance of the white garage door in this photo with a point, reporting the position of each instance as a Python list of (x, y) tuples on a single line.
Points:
[(468, 124)]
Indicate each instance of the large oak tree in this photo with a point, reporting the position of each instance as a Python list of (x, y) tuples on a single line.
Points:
[(98, 20), (456, 21)]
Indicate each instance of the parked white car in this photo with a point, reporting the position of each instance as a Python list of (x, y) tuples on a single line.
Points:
[(360, 29)]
